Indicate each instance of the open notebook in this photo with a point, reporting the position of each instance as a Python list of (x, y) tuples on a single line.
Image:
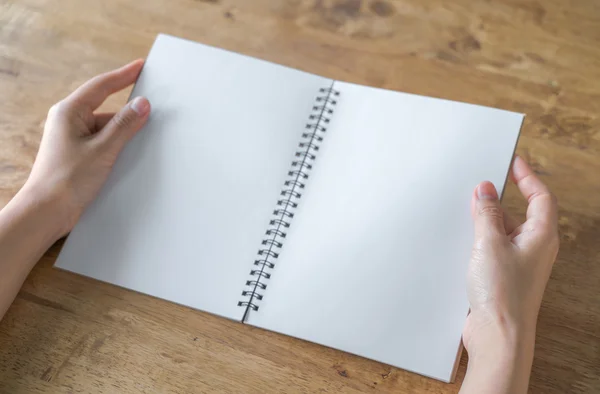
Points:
[(320, 209)]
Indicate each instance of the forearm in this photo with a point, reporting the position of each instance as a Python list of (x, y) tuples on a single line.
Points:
[(29, 225), (500, 363)]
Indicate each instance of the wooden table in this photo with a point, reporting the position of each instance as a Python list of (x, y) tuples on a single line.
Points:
[(66, 333)]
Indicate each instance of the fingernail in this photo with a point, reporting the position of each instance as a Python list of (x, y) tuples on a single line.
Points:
[(487, 191), (518, 158), (140, 105)]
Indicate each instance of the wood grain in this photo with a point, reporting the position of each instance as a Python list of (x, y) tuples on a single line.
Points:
[(66, 333)]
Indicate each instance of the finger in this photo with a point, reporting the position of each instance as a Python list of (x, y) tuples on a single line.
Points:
[(93, 93), (102, 120), (123, 126), (510, 223), (488, 216), (542, 204)]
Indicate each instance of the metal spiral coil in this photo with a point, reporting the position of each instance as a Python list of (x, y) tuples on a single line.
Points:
[(282, 215)]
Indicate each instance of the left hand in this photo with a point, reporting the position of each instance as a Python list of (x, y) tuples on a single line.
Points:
[(79, 147)]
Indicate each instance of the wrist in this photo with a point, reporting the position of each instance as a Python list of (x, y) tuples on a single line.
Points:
[(493, 348), (501, 351), (45, 207), (487, 332)]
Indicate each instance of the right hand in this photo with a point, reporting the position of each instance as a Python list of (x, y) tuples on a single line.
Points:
[(509, 268)]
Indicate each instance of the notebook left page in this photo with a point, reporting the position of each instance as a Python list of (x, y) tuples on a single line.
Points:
[(188, 201)]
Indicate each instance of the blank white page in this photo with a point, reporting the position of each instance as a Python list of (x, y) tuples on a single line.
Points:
[(187, 204), (376, 256)]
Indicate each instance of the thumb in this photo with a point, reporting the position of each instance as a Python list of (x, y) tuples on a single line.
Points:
[(123, 126), (488, 216)]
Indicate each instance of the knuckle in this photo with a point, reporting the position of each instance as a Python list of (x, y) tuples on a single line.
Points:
[(97, 82), (123, 120), (56, 109), (545, 195), (492, 211), (57, 112)]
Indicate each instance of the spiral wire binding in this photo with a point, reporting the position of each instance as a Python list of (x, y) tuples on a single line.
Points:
[(290, 196)]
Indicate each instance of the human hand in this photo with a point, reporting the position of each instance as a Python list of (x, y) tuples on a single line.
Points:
[(79, 147), (509, 268)]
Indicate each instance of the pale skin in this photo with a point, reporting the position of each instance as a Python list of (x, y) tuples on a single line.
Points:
[(509, 268)]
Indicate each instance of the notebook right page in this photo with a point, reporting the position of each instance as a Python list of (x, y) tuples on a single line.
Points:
[(376, 256)]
